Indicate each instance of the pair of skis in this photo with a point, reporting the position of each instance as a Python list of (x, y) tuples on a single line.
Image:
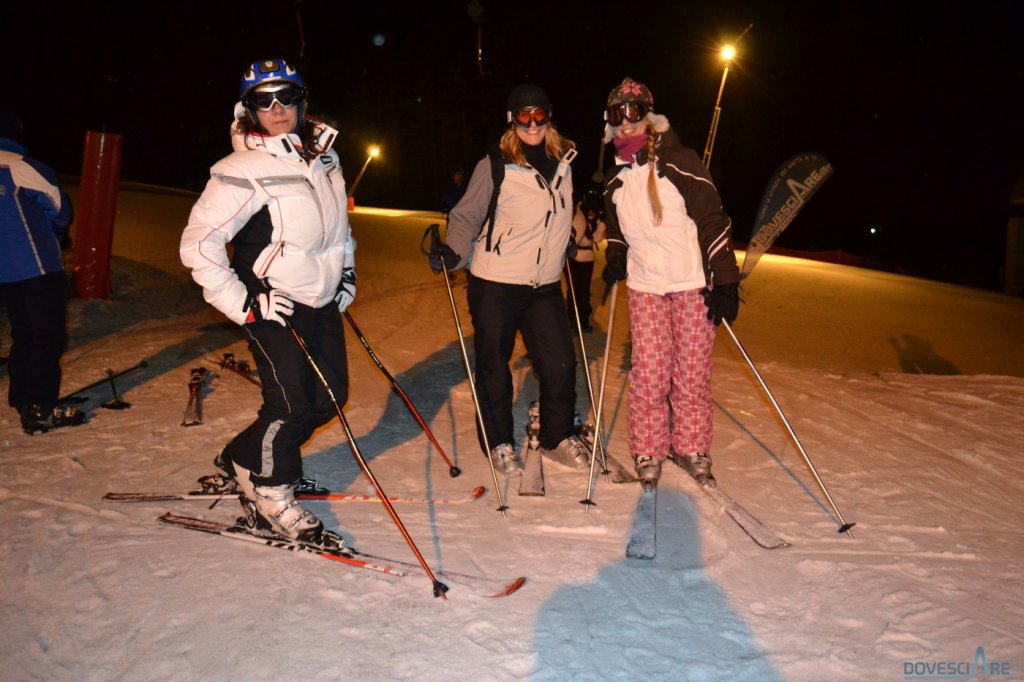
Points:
[(642, 543), (197, 381), (217, 487), (334, 550), (532, 482)]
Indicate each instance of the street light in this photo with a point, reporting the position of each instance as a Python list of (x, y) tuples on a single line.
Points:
[(374, 152), (727, 54)]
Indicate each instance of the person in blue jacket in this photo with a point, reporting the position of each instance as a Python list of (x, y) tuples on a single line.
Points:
[(35, 214)]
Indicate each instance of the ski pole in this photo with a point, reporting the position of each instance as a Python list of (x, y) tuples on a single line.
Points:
[(439, 587), (452, 469), (73, 397), (845, 527), (435, 239), (600, 398), (598, 441)]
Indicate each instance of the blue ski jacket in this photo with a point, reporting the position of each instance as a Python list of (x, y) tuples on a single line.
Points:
[(34, 212)]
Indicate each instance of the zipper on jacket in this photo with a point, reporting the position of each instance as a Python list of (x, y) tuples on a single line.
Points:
[(278, 251), (320, 209)]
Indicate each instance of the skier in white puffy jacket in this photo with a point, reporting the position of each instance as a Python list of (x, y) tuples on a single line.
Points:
[(279, 200)]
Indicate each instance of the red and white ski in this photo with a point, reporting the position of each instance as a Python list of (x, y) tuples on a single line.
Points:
[(488, 587)]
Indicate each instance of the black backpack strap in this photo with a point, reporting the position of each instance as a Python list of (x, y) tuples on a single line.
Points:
[(497, 177)]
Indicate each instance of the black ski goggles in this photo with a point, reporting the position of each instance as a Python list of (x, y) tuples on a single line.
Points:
[(627, 111), (287, 97), (524, 117)]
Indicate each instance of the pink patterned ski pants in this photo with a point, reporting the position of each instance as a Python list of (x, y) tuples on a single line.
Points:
[(670, 381)]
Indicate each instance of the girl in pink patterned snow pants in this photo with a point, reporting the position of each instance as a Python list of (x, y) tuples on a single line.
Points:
[(666, 231), (670, 383)]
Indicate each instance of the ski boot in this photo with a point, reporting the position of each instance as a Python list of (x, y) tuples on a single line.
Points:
[(648, 470), (274, 508), (505, 459), (698, 465), (35, 419), (571, 452)]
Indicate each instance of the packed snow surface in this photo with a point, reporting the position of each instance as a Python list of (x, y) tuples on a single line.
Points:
[(907, 396)]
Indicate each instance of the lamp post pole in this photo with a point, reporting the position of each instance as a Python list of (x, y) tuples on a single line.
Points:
[(374, 152), (728, 52)]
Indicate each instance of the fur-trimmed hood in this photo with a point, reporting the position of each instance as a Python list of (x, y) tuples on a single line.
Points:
[(658, 122)]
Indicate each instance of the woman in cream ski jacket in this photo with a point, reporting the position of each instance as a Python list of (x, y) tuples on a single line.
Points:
[(280, 201), (515, 257)]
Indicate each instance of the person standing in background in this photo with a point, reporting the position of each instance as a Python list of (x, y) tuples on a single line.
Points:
[(588, 228), (35, 214)]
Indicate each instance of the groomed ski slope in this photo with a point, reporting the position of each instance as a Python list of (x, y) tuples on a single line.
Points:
[(907, 395)]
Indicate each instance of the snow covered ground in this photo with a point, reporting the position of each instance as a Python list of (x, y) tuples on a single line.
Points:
[(906, 394)]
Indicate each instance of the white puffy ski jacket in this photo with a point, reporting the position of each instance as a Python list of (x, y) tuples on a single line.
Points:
[(286, 220)]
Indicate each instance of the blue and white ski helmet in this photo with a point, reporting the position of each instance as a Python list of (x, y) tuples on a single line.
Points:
[(269, 71)]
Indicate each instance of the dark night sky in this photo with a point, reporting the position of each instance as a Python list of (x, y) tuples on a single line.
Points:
[(918, 105)]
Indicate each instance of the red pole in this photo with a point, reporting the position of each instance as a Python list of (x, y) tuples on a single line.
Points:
[(94, 225)]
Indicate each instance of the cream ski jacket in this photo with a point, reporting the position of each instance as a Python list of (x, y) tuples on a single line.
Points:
[(286, 220), (531, 229)]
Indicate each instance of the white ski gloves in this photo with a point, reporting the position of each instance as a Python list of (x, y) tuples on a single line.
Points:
[(346, 289), (272, 306)]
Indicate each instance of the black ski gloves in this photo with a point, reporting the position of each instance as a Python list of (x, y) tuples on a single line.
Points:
[(723, 302), (615, 263), (442, 253)]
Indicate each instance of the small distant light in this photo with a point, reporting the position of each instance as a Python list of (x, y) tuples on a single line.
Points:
[(378, 39), (873, 230)]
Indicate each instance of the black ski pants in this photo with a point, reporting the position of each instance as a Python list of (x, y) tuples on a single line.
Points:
[(295, 403), (499, 311), (37, 310)]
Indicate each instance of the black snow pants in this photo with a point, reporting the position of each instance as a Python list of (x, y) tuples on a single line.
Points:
[(499, 311), (37, 310), (295, 403)]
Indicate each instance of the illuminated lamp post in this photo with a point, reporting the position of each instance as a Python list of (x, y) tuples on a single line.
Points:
[(373, 152), (727, 54)]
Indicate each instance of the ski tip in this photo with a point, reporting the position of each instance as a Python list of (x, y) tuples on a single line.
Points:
[(477, 492), (510, 588)]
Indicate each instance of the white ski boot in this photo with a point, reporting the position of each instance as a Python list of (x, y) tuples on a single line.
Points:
[(505, 459), (571, 452), (274, 507)]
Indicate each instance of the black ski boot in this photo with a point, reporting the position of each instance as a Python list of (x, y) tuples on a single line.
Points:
[(35, 419)]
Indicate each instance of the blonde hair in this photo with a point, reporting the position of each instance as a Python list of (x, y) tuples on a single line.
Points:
[(555, 145), (652, 178)]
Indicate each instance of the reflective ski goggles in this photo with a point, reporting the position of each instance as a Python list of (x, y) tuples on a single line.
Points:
[(263, 100), (538, 115), (627, 111)]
